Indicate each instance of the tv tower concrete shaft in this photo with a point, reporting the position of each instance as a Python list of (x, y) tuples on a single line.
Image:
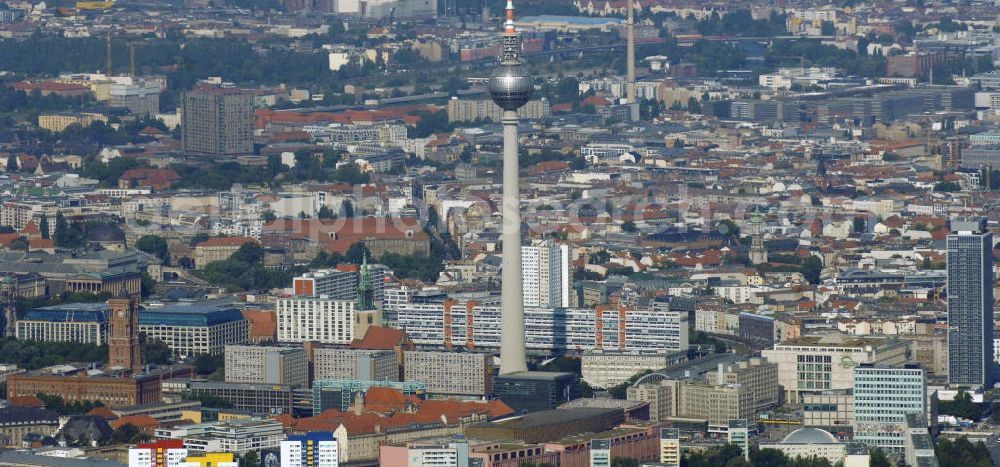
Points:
[(630, 32), (512, 347)]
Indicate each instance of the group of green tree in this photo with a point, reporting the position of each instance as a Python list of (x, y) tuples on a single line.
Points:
[(28, 105), (156, 246), (68, 234), (184, 60), (961, 406), (789, 52), (730, 455), (245, 270), (128, 434), (308, 167), (33, 355), (211, 366), (89, 140), (107, 174), (962, 453), (154, 351), (616, 462), (811, 267), (741, 23), (430, 123), (59, 405), (537, 7), (702, 338), (209, 400)]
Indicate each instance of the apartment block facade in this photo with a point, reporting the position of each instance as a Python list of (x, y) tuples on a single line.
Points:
[(267, 365), (451, 373)]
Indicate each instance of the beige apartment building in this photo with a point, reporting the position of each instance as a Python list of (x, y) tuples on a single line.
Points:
[(364, 365), (267, 365), (739, 390), (468, 110), (450, 373), (59, 121), (218, 120), (606, 369), (218, 249), (813, 364)]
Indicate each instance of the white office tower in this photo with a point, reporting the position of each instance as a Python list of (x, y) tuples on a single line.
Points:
[(310, 450), (882, 398), (670, 447), (150, 455), (316, 319), (545, 273)]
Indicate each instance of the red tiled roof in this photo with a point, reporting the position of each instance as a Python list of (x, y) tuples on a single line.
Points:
[(384, 396), (340, 234), (289, 136), (162, 443), (550, 166), (102, 412), (151, 131), (49, 86), (389, 408), (156, 178), (41, 244), (25, 401), (380, 338), (8, 238), (31, 229), (596, 101), (348, 267), (263, 323), (556, 108), (142, 422)]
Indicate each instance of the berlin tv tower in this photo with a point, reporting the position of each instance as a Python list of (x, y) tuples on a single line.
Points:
[(630, 72), (511, 87)]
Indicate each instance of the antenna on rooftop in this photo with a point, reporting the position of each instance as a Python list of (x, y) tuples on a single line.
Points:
[(107, 70), (131, 56)]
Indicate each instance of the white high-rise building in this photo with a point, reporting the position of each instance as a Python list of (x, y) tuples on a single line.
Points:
[(882, 399), (600, 453), (165, 454), (545, 273), (670, 447), (316, 319), (313, 450)]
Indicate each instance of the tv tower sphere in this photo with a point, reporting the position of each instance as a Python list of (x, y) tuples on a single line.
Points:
[(510, 85)]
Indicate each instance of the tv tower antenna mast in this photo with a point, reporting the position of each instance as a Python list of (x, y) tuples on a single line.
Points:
[(630, 32)]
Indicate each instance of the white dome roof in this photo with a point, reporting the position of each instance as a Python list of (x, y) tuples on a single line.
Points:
[(810, 436)]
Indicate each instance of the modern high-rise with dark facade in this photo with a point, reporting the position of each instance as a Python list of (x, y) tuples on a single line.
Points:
[(970, 304), (218, 120)]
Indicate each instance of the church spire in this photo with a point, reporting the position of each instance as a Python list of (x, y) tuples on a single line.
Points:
[(366, 294)]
